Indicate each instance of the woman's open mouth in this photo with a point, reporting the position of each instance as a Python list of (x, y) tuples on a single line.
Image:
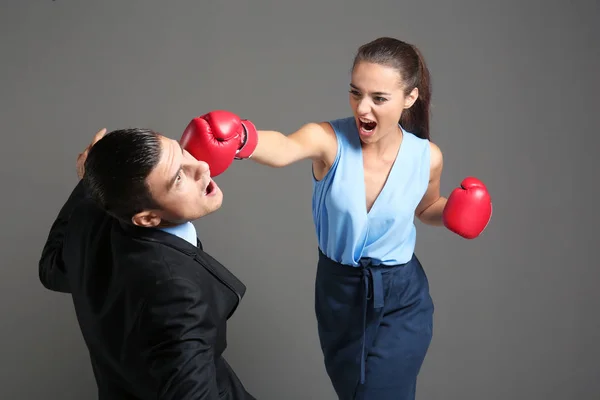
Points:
[(366, 126)]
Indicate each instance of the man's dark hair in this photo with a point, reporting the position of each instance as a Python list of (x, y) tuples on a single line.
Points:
[(116, 169)]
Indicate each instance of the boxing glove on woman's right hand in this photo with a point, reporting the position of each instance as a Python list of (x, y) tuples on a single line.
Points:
[(218, 138)]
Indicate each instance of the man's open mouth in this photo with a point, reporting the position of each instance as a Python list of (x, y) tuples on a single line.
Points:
[(210, 188)]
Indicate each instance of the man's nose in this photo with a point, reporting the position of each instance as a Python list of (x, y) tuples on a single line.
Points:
[(202, 168)]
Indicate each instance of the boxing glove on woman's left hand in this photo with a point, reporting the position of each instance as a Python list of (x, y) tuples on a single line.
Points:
[(469, 209)]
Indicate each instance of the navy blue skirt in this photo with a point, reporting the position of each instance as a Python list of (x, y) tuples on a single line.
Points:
[(375, 325)]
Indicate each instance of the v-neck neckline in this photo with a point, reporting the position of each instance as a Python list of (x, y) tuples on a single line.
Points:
[(388, 179)]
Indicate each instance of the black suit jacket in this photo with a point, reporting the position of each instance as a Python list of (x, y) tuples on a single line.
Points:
[(152, 308)]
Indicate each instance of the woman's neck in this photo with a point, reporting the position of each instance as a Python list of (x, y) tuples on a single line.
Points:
[(386, 146)]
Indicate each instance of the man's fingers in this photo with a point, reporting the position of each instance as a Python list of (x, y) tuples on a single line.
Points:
[(99, 135), (81, 157)]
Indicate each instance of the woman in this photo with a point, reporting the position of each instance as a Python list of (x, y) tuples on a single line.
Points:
[(372, 173)]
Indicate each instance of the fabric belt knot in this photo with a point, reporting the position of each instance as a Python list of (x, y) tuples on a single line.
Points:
[(373, 289)]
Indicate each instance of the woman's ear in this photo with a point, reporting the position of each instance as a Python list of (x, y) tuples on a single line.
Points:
[(411, 98)]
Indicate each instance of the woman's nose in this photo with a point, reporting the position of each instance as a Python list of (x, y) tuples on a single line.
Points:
[(363, 106)]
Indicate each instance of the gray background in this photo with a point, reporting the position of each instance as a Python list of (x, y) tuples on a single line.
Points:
[(516, 96)]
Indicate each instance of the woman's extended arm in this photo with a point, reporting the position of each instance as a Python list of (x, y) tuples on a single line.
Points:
[(219, 137), (315, 141)]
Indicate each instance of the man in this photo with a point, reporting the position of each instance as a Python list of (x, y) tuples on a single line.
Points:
[(151, 304)]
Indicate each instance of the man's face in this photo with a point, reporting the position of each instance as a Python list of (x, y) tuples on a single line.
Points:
[(182, 188)]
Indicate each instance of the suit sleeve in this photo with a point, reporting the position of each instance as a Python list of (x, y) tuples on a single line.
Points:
[(52, 270), (178, 348)]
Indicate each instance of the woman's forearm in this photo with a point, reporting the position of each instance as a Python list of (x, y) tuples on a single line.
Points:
[(274, 149), (278, 150), (432, 215)]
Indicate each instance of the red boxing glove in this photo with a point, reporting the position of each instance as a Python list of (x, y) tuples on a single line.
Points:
[(469, 209), (218, 138)]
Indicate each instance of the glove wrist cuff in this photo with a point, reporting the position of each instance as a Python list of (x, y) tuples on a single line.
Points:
[(249, 141)]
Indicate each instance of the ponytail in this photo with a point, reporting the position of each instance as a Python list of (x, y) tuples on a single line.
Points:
[(416, 118)]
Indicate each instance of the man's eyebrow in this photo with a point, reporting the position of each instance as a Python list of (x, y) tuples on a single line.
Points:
[(174, 178), (376, 93)]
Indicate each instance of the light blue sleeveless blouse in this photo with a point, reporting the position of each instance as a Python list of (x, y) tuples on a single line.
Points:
[(387, 234)]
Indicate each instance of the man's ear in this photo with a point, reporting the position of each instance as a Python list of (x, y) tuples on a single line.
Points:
[(146, 219), (411, 98)]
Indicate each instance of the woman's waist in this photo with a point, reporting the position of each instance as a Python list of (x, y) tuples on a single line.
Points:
[(352, 267)]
